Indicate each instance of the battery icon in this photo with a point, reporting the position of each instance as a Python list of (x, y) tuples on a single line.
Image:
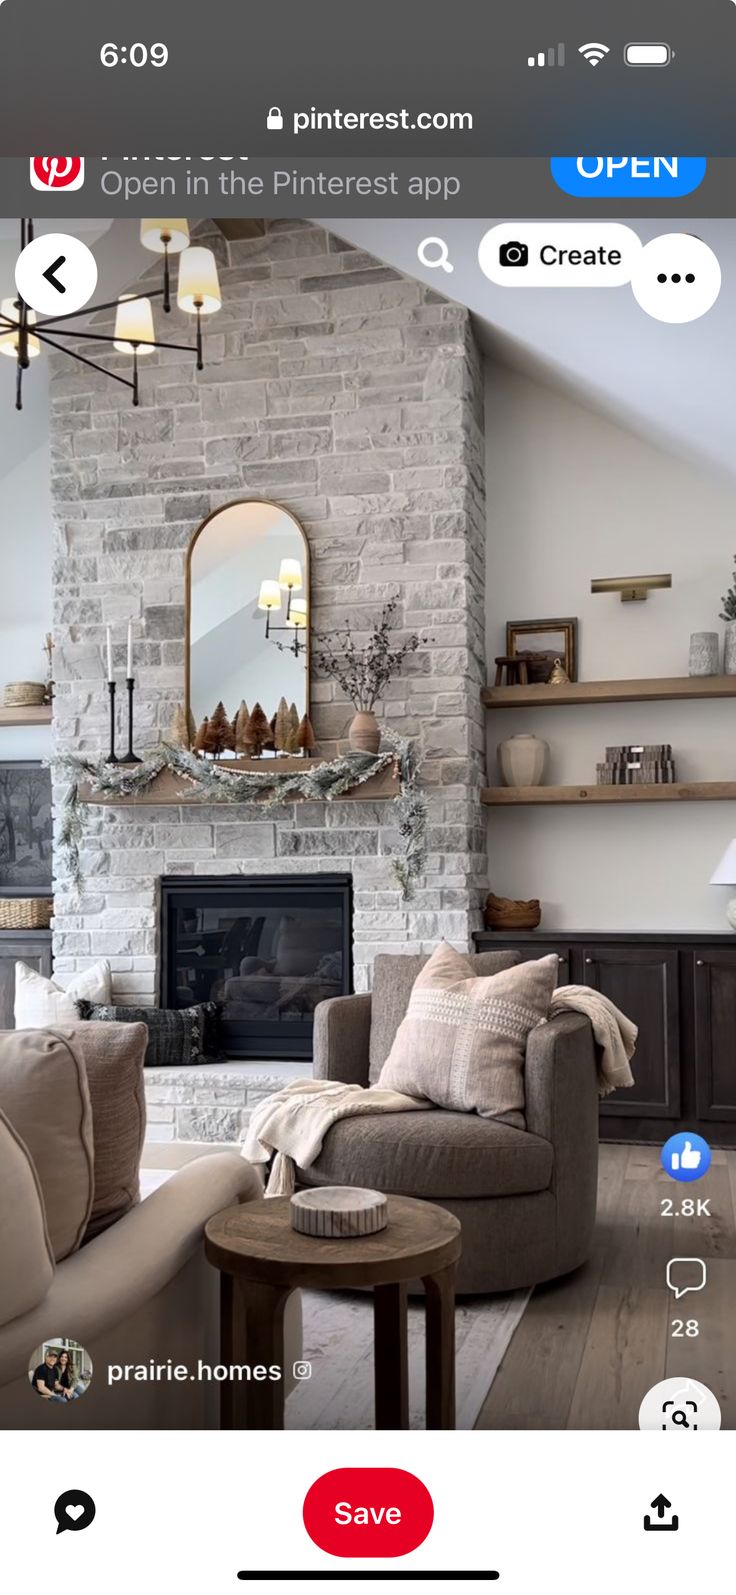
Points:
[(648, 54)]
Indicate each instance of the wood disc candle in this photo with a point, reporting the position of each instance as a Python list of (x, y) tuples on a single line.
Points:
[(337, 1212)]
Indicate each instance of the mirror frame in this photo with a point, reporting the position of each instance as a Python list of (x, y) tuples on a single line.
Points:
[(235, 503)]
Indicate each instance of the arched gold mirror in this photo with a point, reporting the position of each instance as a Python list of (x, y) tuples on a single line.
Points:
[(247, 612)]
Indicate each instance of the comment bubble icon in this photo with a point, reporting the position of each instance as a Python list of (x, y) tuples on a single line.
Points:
[(74, 1510), (685, 1274)]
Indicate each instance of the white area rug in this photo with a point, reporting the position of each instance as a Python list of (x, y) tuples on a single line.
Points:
[(338, 1341)]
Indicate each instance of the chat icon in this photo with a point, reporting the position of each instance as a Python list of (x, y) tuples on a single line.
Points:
[(74, 1510), (685, 1274)]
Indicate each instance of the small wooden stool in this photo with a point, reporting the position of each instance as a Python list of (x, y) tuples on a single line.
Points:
[(517, 671)]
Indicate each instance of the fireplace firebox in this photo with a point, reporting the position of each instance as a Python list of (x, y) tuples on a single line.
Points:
[(267, 949)]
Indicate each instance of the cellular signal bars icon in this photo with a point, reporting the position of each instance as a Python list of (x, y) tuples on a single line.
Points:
[(551, 57)]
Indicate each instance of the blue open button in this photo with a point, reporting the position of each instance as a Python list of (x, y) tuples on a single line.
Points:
[(628, 176)]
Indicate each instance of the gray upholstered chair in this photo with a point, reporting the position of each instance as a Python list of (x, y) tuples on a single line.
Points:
[(526, 1198)]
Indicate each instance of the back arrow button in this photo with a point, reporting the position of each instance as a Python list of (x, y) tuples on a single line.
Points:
[(51, 277)]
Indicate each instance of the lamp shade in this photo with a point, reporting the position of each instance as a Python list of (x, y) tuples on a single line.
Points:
[(725, 871), (134, 325), (290, 575), (9, 338), (160, 234), (297, 618), (269, 596), (199, 287)]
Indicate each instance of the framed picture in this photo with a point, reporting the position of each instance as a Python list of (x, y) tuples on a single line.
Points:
[(25, 829), (540, 642)]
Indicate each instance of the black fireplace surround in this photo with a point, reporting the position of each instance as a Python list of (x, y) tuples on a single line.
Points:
[(266, 948)]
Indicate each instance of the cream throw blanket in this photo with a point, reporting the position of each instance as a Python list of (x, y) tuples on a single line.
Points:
[(293, 1122)]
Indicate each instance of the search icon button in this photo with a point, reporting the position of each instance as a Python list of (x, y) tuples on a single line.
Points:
[(440, 254), (679, 1418)]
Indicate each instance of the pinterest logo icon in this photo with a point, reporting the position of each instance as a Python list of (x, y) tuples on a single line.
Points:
[(57, 171)]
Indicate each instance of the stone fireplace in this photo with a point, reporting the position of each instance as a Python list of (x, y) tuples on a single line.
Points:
[(353, 396)]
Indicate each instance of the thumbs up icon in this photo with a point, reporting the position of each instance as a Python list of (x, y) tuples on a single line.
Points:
[(686, 1156)]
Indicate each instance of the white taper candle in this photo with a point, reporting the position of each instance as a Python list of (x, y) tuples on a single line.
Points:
[(130, 649), (110, 676)]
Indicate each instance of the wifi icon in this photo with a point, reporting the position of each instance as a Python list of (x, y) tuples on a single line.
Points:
[(593, 52)]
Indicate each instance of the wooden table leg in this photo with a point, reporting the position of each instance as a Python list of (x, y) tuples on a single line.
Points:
[(253, 1336), (391, 1359), (440, 1318)]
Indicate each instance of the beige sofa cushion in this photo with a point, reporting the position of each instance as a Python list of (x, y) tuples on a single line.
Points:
[(113, 1056), (40, 1002), (393, 979), (26, 1258), (44, 1094), (463, 1042)]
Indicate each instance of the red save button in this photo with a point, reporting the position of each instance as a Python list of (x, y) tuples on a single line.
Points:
[(368, 1512)]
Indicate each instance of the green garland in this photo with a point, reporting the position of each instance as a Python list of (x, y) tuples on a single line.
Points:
[(219, 784)]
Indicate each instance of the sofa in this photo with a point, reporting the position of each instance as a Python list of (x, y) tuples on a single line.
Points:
[(526, 1199), (81, 1255)]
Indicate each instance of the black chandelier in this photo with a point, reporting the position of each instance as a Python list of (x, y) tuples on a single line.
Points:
[(22, 332)]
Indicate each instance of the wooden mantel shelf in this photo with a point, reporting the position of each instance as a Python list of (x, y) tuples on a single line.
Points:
[(655, 689), (34, 714), (169, 788), (674, 792)]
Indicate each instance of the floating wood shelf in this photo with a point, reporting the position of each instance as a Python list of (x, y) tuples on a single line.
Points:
[(674, 792), (35, 714), (653, 690), (169, 788)]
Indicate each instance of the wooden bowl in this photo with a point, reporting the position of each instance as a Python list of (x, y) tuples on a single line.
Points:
[(505, 913)]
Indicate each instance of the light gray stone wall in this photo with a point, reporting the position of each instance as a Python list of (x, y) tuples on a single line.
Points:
[(354, 396)]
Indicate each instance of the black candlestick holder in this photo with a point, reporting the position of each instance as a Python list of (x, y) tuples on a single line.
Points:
[(130, 756), (111, 757)]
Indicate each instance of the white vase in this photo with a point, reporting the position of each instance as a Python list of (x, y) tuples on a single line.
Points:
[(704, 653), (522, 760), (729, 650)]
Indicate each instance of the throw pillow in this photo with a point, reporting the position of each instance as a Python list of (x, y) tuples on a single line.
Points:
[(40, 1002), (177, 1037), (463, 1042), (394, 975), (26, 1258), (44, 1094), (113, 1058)]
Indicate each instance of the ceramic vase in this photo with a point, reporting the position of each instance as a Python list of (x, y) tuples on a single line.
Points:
[(522, 760), (729, 651), (364, 735), (704, 653)]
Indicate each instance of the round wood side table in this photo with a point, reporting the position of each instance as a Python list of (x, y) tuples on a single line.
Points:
[(262, 1260)]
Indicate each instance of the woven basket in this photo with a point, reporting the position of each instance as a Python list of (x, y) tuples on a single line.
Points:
[(26, 913), (24, 694)]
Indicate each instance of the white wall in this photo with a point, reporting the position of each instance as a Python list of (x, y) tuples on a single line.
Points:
[(26, 543), (572, 496)]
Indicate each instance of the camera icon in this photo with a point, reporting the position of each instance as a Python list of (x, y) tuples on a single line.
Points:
[(513, 254), (302, 1370)]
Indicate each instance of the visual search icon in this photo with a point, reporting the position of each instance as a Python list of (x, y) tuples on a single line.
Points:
[(683, 1406)]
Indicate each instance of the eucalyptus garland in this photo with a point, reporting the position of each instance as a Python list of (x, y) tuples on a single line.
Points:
[(217, 783)]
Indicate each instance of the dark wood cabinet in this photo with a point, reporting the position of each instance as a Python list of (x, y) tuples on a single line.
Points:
[(32, 947), (681, 992)]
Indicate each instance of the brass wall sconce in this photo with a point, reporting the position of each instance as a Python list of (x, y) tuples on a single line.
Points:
[(633, 589)]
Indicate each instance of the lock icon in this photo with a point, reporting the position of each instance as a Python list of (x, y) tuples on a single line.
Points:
[(274, 120)]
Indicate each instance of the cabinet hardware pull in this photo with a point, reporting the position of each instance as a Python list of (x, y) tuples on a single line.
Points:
[(700, 963)]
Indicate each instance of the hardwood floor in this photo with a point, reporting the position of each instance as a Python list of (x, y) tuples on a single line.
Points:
[(590, 1346)]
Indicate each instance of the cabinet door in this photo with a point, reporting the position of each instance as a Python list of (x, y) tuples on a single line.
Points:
[(714, 979), (643, 982), (32, 950)]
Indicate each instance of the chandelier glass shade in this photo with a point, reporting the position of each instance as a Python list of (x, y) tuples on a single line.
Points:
[(23, 334)]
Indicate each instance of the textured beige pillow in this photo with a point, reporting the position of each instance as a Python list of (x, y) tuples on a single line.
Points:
[(26, 1258), (113, 1056), (463, 1041), (44, 1093)]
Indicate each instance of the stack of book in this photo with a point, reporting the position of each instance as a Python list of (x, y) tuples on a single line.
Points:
[(637, 764)]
